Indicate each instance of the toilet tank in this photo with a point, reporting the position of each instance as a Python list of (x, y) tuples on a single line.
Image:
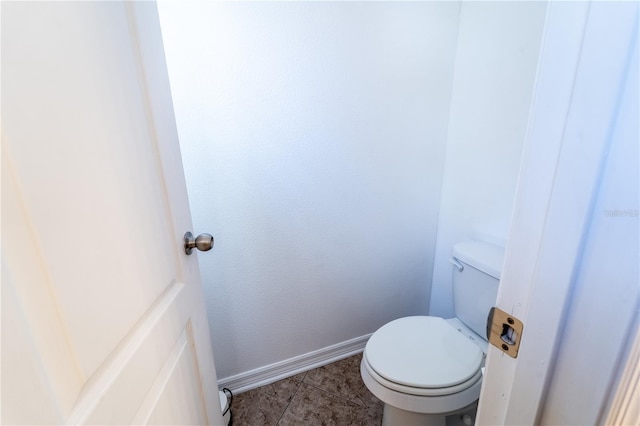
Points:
[(475, 287)]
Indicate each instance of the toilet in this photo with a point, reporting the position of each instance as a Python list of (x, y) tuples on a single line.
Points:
[(424, 368)]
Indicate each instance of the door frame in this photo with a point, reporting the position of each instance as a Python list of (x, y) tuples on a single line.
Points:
[(578, 84), (624, 408)]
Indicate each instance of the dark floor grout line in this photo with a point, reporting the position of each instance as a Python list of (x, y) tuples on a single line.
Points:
[(324, 390), (335, 395), (291, 399)]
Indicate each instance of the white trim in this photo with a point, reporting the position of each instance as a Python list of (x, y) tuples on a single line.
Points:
[(560, 52), (558, 183), (281, 370)]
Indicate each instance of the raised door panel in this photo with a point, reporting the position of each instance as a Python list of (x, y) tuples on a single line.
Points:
[(32, 330), (28, 401), (95, 171), (172, 398)]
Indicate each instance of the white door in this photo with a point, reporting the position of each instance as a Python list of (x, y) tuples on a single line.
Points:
[(103, 319), (571, 268)]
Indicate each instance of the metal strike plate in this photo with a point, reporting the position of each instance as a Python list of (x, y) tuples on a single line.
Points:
[(504, 331)]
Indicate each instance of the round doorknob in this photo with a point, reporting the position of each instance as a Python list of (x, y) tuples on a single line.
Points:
[(203, 242)]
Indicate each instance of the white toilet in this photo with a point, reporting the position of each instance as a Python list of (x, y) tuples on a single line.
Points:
[(424, 368)]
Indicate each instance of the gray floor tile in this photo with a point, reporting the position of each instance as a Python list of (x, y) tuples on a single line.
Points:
[(264, 405), (329, 395), (343, 378), (312, 406)]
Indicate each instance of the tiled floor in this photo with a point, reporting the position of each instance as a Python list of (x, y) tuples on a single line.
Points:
[(329, 395)]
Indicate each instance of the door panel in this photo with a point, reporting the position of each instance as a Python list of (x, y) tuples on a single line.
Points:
[(38, 315), (29, 400), (96, 201), (138, 361), (105, 155), (169, 398)]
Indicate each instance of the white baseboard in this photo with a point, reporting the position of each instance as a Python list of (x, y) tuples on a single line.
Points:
[(281, 370)]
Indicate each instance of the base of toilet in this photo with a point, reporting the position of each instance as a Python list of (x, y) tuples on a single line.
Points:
[(393, 416)]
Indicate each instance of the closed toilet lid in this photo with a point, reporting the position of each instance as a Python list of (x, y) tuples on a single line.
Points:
[(423, 352)]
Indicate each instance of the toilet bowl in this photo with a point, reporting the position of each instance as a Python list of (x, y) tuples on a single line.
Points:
[(423, 367)]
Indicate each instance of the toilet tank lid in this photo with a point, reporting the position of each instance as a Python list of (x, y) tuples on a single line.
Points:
[(485, 257)]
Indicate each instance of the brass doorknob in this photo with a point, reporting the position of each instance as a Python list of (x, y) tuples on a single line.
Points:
[(203, 242)]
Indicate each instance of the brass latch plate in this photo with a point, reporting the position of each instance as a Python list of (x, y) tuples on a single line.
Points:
[(504, 331)]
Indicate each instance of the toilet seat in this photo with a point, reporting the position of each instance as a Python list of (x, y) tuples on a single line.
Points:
[(424, 356), (436, 405), (410, 390)]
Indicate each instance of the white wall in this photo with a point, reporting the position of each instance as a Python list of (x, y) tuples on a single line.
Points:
[(313, 137), (495, 68)]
